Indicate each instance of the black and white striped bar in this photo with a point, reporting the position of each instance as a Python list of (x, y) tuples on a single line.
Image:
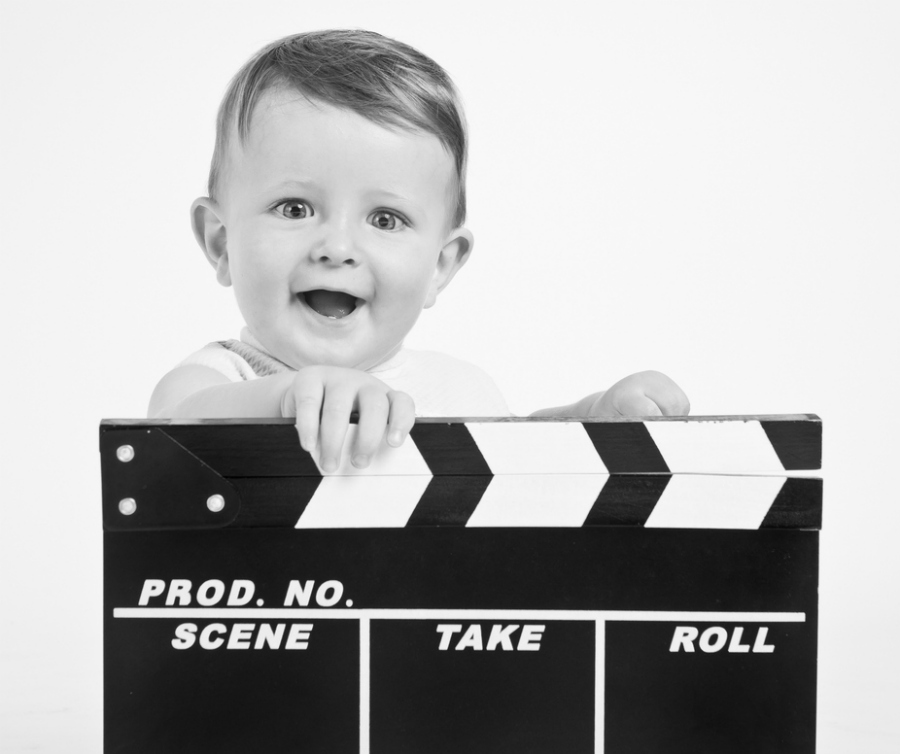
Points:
[(697, 444), (716, 472)]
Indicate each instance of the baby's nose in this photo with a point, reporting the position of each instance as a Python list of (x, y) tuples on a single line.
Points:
[(338, 248)]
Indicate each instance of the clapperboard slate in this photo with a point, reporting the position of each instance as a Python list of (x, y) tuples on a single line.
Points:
[(618, 586)]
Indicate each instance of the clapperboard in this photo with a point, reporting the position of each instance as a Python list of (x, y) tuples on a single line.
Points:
[(522, 586)]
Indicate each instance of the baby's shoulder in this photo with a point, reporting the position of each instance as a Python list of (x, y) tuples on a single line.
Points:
[(224, 359)]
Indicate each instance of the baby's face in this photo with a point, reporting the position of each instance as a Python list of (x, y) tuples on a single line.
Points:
[(336, 231)]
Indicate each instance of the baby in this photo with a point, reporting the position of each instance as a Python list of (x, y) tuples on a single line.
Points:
[(336, 208)]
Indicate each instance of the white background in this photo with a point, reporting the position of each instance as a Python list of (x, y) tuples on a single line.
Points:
[(705, 188)]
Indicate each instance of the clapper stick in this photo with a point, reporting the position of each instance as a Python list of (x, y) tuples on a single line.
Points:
[(493, 585)]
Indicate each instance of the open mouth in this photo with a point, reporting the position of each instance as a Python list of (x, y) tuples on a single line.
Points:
[(330, 304)]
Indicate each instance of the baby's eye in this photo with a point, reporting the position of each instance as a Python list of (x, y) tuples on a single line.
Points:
[(294, 209), (384, 220)]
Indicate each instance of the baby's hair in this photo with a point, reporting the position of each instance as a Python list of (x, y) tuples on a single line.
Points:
[(381, 79)]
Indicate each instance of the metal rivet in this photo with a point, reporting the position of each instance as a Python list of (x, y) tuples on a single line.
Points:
[(127, 506), (215, 503), (124, 453)]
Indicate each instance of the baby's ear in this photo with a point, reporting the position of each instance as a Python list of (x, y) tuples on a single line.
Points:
[(453, 256), (209, 230)]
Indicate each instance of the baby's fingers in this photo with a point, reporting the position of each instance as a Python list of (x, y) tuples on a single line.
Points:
[(634, 403), (373, 417), (402, 417), (336, 408), (666, 395), (308, 393)]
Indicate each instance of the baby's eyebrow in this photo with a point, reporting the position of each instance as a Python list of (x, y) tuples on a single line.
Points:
[(293, 184), (382, 194)]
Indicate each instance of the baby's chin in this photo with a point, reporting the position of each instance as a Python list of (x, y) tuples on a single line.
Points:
[(337, 358)]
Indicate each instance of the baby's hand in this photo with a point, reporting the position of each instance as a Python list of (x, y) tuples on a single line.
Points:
[(642, 394), (322, 399)]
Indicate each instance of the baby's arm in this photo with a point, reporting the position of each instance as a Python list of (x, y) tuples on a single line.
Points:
[(321, 398), (641, 394)]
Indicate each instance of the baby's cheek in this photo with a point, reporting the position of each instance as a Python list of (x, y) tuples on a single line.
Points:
[(258, 289), (261, 265), (415, 292)]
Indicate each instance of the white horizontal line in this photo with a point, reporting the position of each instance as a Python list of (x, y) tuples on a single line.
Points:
[(781, 473), (289, 613)]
